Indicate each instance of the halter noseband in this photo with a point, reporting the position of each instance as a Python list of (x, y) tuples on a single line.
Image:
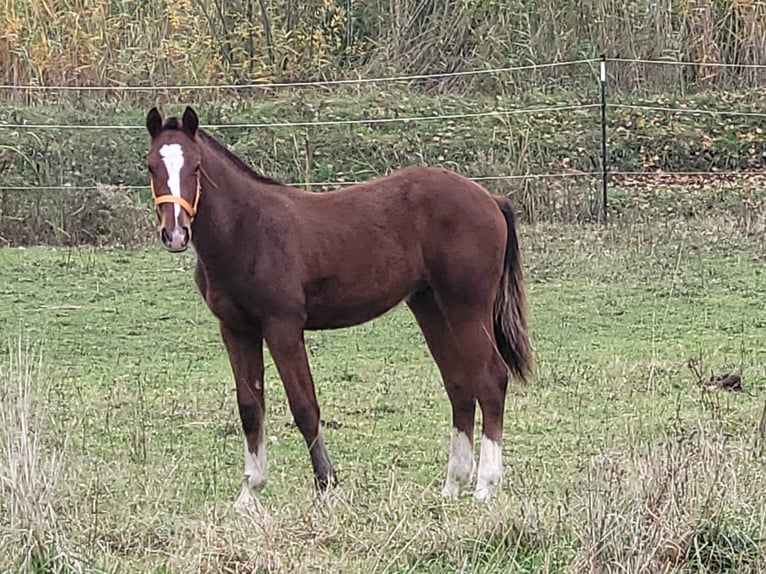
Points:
[(190, 209)]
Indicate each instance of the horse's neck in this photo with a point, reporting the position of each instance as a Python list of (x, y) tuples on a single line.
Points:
[(218, 222)]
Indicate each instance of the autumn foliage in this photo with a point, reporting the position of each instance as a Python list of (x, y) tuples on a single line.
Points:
[(144, 42)]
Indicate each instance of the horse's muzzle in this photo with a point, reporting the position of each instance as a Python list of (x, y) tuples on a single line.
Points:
[(176, 240)]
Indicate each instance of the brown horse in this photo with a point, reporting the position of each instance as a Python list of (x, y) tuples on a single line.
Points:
[(274, 261)]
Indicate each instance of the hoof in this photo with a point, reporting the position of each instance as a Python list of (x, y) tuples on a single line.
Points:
[(486, 490), (248, 504), (330, 497), (482, 495), (326, 482), (450, 490), (457, 482)]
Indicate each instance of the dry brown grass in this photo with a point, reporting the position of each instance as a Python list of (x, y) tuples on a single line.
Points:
[(33, 470), (686, 505), (79, 42)]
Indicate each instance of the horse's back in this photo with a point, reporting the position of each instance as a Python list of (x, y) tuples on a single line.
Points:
[(367, 247), (414, 201)]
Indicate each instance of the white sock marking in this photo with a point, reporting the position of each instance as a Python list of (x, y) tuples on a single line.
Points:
[(490, 469), (173, 158), (256, 471), (256, 467), (460, 465)]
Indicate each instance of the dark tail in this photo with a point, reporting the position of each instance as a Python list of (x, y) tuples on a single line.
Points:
[(510, 305)]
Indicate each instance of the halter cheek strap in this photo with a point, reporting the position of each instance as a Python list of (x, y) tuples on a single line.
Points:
[(190, 209)]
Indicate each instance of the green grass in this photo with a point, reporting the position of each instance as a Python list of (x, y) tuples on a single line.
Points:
[(614, 457)]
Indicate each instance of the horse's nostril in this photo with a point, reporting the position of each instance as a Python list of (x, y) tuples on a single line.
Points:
[(165, 236)]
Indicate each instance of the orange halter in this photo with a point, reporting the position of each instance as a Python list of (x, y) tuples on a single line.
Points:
[(190, 209)]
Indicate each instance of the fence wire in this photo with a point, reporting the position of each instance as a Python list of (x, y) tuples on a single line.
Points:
[(687, 63), (312, 84), (314, 123), (339, 183), (688, 111), (510, 177), (403, 119)]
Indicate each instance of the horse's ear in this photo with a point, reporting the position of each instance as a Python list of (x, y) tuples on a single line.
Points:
[(190, 120), (153, 122)]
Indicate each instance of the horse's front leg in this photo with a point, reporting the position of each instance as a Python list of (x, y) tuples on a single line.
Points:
[(287, 347), (246, 357)]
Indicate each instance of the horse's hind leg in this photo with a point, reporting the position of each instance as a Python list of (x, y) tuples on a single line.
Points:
[(485, 377), (445, 350), (490, 380), (490, 391), (287, 347)]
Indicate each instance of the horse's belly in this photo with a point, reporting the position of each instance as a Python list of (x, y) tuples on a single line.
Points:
[(337, 318), (331, 307)]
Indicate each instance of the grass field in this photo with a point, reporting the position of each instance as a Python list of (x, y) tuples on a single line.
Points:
[(617, 459)]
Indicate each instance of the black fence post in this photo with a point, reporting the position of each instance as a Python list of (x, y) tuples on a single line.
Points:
[(604, 158)]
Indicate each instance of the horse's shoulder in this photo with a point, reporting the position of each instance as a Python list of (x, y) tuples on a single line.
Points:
[(200, 277)]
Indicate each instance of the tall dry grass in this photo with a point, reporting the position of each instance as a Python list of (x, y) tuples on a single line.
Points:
[(87, 42), (33, 471), (687, 505)]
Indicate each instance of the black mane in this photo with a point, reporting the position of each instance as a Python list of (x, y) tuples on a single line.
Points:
[(223, 150), (174, 124)]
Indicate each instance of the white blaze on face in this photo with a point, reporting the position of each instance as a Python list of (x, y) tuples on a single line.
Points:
[(173, 157), (490, 468), (460, 465)]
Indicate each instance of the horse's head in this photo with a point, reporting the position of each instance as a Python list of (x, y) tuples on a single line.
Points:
[(174, 169)]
